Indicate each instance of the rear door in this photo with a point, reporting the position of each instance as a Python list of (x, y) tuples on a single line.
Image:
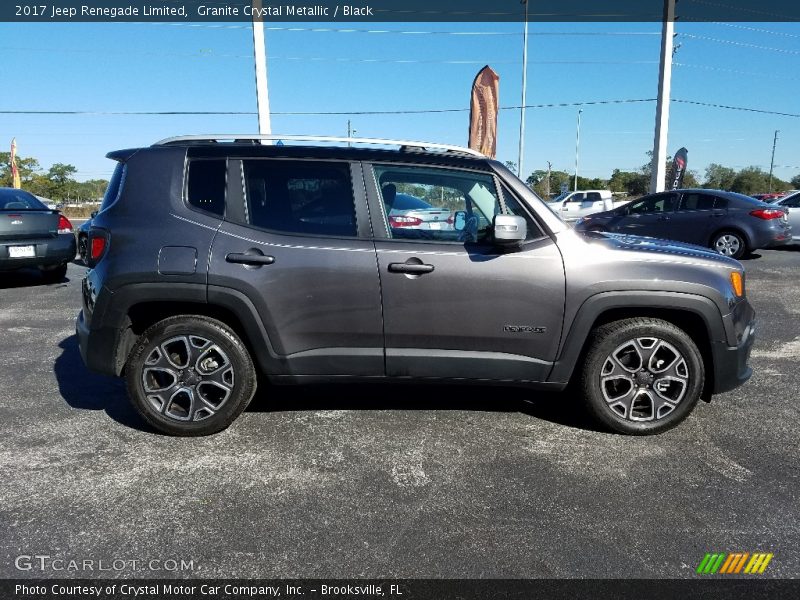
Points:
[(695, 218), (296, 243), (454, 305)]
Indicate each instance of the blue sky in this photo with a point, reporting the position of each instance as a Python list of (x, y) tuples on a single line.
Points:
[(196, 67)]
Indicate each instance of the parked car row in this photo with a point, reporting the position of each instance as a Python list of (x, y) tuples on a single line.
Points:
[(730, 223)]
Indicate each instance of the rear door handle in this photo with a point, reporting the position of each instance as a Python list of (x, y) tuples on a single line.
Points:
[(250, 259), (410, 268)]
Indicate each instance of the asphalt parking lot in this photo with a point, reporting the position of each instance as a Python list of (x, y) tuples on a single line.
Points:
[(401, 481)]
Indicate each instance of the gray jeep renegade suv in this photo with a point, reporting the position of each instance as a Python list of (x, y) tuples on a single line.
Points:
[(212, 260)]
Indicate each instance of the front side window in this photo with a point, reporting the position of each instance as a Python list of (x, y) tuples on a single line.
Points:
[(437, 204), (653, 204), (206, 186), (300, 197)]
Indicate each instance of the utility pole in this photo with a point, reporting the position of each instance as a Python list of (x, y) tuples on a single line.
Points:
[(577, 147), (658, 167), (350, 132), (262, 89), (772, 162), (547, 181), (524, 93)]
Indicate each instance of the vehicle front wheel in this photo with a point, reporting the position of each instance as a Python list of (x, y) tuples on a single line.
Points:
[(641, 375), (190, 376), (729, 243)]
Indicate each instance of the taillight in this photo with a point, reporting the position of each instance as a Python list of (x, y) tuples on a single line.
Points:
[(97, 246), (451, 219), (64, 226), (767, 213), (404, 222)]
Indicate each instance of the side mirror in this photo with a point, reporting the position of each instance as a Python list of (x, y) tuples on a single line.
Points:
[(509, 230), (94, 214), (460, 220)]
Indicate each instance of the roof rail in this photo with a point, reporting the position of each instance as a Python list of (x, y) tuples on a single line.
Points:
[(403, 144)]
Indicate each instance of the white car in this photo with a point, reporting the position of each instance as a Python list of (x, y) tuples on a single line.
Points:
[(571, 206), (792, 202)]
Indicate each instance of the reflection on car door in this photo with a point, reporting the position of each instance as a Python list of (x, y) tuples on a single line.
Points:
[(694, 220), (443, 290)]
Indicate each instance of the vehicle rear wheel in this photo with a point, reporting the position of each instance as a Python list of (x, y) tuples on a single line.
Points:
[(55, 274), (641, 375), (729, 243), (190, 376), (83, 241)]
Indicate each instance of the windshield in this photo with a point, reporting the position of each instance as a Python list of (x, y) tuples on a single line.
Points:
[(11, 199)]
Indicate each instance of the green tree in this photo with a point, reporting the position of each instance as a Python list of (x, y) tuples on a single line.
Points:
[(635, 184), (795, 181), (719, 177)]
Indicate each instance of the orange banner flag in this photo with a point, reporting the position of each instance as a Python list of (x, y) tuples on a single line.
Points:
[(483, 112)]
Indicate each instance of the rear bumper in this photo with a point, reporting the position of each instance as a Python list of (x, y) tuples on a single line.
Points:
[(49, 251), (777, 235), (730, 362), (97, 347)]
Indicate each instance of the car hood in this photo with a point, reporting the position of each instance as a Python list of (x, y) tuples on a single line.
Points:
[(607, 246)]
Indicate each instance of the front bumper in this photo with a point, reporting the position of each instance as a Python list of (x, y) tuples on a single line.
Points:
[(730, 362)]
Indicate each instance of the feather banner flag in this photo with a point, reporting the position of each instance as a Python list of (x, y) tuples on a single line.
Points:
[(483, 112)]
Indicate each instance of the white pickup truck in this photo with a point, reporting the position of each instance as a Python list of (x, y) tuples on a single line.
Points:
[(571, 206)]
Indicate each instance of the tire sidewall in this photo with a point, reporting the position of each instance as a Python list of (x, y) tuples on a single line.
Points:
[(244, 374), (664, 331)]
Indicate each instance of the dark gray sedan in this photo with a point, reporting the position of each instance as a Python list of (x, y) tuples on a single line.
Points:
[(32, 235), (730, 223)]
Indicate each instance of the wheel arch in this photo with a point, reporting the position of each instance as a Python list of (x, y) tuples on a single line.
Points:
[(699, 317)]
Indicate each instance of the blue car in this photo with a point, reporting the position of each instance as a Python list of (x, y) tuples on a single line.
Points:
[(732, 224)]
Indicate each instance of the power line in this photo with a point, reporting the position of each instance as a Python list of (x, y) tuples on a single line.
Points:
[(389, 112), (312, 113), (757, 29), (741, 44), (742, 108), (748, 10), (736, 71)]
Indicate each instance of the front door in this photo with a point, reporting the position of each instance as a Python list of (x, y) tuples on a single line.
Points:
[(455, 305), (649, 216), (296, 245)]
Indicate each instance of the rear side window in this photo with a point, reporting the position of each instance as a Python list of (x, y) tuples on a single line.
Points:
[(206, 187), (694, 201), (302, 197), (114, 186)]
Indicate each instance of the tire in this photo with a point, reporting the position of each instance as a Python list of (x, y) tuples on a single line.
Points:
[(624, 387), (83, 240), (729, 243), (56, 274), (190, 376)]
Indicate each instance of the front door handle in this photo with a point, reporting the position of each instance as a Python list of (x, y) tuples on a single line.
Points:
[(410, 268), (257, 260)]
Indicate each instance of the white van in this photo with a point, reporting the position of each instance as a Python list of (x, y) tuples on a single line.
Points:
[(574, 205)]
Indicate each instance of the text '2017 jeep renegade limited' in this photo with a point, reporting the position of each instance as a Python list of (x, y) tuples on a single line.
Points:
[(212, 260)]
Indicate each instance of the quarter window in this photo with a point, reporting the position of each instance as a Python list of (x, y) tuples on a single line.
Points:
[(206, 188), (302, 197)]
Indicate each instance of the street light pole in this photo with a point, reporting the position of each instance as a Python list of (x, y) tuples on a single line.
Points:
[(772, 162), (521, 156), (659, 165), (262, 89), (577, 147)]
